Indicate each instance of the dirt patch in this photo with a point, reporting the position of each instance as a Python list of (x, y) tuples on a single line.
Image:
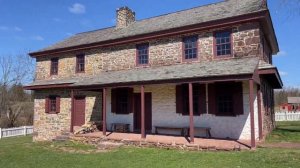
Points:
[(287, 145)]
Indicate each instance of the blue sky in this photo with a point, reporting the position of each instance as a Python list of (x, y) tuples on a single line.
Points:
[(33, 24)]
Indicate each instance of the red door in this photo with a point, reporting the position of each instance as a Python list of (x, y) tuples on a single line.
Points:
[(79, 111), (148, 112)]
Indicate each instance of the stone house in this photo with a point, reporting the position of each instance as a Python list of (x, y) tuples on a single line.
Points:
[(205, 67)]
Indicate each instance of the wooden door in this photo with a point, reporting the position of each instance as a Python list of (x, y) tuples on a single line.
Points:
[(137, 112), (79, 111)]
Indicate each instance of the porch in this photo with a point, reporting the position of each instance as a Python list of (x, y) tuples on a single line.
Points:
[(169, 141)]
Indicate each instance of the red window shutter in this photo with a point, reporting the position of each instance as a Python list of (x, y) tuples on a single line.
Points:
[(47, 105), (57, 104), (202, 99), (238, 106), (179, 107), (130, 100), (113, 100), (211, 99)]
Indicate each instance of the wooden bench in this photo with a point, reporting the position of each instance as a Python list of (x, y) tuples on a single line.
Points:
[(206, 129), (181, 129), (120, 127)]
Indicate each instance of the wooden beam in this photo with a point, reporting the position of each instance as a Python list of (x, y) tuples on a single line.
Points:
[(191, 110), (143, 134), (104, 111), (251, 104), (260, 124), (72, 111)]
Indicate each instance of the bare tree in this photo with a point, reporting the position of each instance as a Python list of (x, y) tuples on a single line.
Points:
[(14, 70)]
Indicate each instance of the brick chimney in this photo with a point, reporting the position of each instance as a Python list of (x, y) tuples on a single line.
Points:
[(125, 17)]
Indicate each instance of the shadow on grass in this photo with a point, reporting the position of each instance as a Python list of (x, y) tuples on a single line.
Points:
[(287, 130)]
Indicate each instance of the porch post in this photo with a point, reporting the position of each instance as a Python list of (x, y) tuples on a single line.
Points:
[(72, 110), (251, 104), (259, 113), (191, 111), (104, 111), (143, 112)]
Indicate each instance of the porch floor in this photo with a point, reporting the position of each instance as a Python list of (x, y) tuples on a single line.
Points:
[(221, 144)]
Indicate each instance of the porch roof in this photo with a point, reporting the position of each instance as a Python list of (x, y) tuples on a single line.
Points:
[(270, 72), (202, 71)]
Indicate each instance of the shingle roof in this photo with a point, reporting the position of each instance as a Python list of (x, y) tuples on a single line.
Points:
[(217, 68), (216, 11), (265, 65)]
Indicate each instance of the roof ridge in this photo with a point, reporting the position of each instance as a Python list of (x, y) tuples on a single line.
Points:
[(222, 1), (145, 19)]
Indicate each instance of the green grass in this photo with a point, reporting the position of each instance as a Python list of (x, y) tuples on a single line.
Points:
[(285, 132), (21, 152)]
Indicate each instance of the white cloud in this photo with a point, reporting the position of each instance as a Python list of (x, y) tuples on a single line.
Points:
[(282, 53), (282, 73), (3, 28), (16, 28), (77, 8), (38, 38)]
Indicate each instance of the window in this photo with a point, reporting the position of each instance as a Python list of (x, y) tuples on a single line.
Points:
[(54, 66), (52, 104), (182, 99), (225, 104), (80, 62), (225, 98), (190, 47), (122, 100), (223, 43), (142, 54)]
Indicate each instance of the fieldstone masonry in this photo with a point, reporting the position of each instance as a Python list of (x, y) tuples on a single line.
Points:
[(162, 52), (49, 126)]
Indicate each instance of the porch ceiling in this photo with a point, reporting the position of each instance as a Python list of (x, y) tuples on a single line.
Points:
[(202, 71)]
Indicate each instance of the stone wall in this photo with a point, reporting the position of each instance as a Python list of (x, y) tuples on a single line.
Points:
[(163, 51), (267, 108), (48, 126)]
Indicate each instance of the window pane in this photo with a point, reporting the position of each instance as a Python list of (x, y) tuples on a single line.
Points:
[(223, 43), (190, 47), (80, 61), (142, 51)]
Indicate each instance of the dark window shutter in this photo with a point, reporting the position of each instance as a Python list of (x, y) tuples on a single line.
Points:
[(130, 100), (211, 99), (196, 99), (113, 100), (47, 105), (179, 97), (238, 104), (202, 99), (57, 104)]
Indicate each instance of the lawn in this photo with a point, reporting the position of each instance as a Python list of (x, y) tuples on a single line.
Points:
[(285, 132), (21, 152)]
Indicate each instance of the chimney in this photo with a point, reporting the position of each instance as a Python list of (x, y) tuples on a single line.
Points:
[(125, 17)]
